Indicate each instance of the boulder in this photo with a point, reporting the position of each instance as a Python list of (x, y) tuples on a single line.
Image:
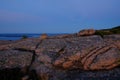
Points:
[(44, 36), (86, 32)]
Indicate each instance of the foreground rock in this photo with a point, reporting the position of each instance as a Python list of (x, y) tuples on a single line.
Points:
[(66, 57), (14, 58), (6, 42)]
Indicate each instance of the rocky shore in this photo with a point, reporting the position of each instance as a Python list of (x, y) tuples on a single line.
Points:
[(79, 56)]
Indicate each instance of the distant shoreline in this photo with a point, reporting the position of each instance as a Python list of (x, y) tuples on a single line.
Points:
[(18, 36)]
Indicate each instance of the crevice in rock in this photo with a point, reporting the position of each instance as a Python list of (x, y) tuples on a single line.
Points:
[(33, 58), (62, 50), (102, 52), (91, 50), (38, 44), (34, 54), (31, 73), (98, 53), (32, 51), (22, 49), (89, 54)]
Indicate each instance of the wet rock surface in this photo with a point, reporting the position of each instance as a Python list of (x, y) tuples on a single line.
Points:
[(65, 57)]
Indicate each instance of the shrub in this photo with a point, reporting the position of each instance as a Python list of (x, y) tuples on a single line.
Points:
[(102, 33), (24, 37), (115, 30)]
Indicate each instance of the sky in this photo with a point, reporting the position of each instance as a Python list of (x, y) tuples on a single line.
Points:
[(57, 16)]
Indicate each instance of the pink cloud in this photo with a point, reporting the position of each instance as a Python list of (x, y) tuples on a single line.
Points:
[(9, 16)]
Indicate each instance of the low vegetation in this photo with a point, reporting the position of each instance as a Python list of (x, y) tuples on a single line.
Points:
[(24, 37), (115, 30)]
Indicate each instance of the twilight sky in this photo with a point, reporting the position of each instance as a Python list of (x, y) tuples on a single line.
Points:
[(56, 16)]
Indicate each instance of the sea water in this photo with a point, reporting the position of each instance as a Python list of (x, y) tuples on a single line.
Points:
[(18, 36)]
